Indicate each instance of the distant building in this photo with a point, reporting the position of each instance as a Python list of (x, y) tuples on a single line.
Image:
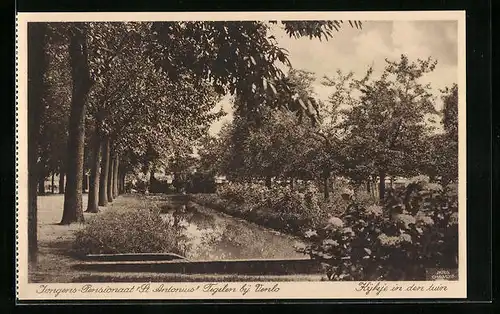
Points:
[(220, 179), (396, 182), (400, 182)]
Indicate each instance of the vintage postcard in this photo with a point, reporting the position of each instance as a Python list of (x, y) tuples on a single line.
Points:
[(236, 155)]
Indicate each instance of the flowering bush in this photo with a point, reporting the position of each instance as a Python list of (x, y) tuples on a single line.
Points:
[(416, 229)]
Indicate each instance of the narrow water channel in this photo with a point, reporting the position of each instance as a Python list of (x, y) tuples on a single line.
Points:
[(212, 235)]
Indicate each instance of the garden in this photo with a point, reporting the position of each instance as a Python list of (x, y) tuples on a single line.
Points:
[(364, 177), (415, 228)]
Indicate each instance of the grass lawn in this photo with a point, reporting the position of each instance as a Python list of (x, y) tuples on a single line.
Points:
[(56, 259)]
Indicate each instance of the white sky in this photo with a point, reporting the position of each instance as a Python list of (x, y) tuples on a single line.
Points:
[(355, 50)]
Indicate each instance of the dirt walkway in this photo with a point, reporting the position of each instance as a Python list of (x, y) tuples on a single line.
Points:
[(55, 241)]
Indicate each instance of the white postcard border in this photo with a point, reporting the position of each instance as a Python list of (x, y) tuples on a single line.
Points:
[(286, 290)]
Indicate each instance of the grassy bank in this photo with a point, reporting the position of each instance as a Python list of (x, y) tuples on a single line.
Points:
[(282, 223), (280, 208)]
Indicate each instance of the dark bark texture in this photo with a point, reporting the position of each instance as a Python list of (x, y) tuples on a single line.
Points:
[(73, 207), (94, 174), (152, 178), (103, 182), (41, 185), (52, 183), (269, 182), (117, 178), (61, 183), (326, 183), (109, 188), (122, 181), (326, 190), (381, 185), (37, 62), (85, 182)]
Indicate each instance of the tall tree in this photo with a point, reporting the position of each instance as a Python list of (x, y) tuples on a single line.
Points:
[(450, 122), (388, 127), (111, 168), (93, 198), (103, 181), (441, 151), (54, 125), (73, 210), (232, 56), (112, 67), (37, 63), (450, 111), (341, 153)]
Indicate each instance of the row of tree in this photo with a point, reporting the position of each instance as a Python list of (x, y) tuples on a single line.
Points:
[(370, 129), (108, 97)]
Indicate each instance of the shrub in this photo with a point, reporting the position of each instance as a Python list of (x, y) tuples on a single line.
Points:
[(161, 186), (279, 207), (141, 186), (415, 230), (201, 183), (334, 206), (135, 231), (364, 198), (210, 200), (240, 193), (180, 182)]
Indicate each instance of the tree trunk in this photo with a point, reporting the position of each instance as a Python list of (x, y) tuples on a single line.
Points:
[(103, 182), (115, 178), (115, 173), (368, 187), (120, 187), (119, 182), (41, 185), (152, 178), (113, 181), (269, 182), (326, 183), (110, 179), (37, 62), (292, 181), (392, 182), (381, 185), (73, 207), (326, 188), (61, 183), (94, 174), (124, 174), (118, 177), (85, 182), (52, 184)]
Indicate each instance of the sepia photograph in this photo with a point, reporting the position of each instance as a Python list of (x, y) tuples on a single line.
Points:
[(260, 151)]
